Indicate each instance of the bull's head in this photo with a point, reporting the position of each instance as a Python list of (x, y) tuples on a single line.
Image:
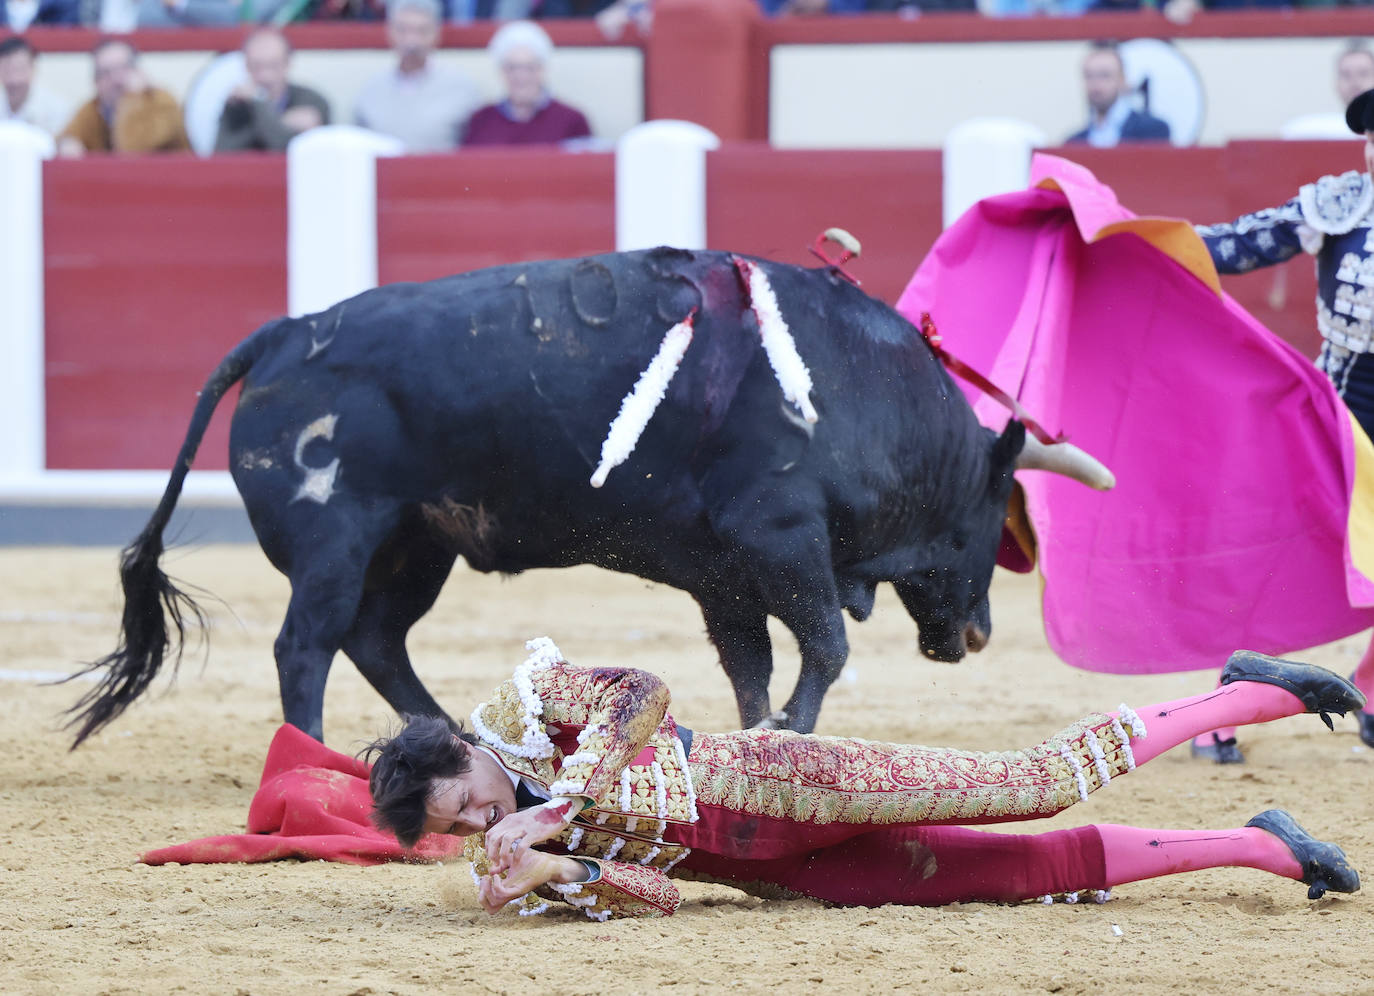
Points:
[(948, 595)]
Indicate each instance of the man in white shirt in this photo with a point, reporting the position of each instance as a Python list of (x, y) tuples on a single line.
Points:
[(423, 104), (23, 100)]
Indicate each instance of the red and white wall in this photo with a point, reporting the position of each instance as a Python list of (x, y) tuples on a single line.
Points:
[(125, 281)]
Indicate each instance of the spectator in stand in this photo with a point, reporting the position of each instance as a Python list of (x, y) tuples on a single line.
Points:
[(809, 8), (195, 13), (1111, 118), (912, 7), (1354, 75), (266, 111), (423, 104), (527, 115), (1182, 11), (25, 100), (17, 15), (127, 113)]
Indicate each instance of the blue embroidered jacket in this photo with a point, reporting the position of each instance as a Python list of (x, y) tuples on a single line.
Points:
[(1332, 220)]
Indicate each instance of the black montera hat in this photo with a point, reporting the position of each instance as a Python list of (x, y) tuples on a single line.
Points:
[(1359, 114)]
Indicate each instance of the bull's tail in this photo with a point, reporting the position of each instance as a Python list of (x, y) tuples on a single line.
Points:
[(157, 614)]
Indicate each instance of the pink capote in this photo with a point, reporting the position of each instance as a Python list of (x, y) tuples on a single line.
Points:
[(1234, 457)]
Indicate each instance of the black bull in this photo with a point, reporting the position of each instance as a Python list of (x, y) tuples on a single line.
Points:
[(378, 441)]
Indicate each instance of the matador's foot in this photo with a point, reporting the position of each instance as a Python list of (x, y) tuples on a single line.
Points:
[(1324, 866), (1222, 751), (1366, 721), (1320, 690)]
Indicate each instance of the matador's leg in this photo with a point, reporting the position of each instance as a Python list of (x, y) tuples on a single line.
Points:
[(933, 866), (765, 794), (1364, 681)]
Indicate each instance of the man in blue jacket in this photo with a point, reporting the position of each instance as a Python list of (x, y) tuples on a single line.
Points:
[(1111, 118)]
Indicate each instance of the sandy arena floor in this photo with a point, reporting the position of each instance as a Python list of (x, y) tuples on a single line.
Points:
[(79, 915)]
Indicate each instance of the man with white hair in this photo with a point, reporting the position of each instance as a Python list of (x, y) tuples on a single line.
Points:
[(527, 115), (423, 104)]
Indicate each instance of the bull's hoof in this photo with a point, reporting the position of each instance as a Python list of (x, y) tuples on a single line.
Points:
[(1324, 866), (1219, 751), (774, 721), (1318, 689)]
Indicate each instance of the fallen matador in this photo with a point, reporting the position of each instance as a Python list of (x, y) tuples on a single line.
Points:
[(575, 786)]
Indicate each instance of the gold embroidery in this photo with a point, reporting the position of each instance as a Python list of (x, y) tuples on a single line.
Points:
[(828, 779)]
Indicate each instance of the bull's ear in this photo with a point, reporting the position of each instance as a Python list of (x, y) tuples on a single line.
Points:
[(1005, 450)]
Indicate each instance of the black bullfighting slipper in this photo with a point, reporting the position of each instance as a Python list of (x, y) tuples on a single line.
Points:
[(1221, 751), (1324, 866), (1366, 721), (1320, 690)]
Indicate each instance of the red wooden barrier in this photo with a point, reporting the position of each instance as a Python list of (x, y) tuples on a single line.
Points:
[(155, 267), (438, 215), (773, 203)]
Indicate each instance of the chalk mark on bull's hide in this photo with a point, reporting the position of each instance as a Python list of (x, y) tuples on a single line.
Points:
[(318, 485), (320, 345)]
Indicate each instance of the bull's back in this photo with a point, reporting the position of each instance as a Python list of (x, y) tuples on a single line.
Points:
[(497, 387)]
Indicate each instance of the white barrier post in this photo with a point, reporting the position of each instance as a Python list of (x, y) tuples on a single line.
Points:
[(660, 185), (331, 230), (22, 151), (983, 157)]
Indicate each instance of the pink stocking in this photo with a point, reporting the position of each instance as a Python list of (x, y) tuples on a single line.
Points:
[(1364, 674), (1134, 853), (1224, 733), (1237, 704)]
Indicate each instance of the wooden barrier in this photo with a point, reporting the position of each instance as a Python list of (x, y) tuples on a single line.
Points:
[(438, 215), (154, 267)]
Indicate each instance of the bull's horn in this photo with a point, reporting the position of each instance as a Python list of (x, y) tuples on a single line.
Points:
[(1066, 459)]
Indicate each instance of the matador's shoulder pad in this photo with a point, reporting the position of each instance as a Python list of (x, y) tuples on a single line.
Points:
[(1336, 204)]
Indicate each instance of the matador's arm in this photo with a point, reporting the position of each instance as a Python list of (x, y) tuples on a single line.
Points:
[(1262, 238), (618, 708)]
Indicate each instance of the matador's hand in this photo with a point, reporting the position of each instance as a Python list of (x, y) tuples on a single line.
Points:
[(513, 837), (535, 868)]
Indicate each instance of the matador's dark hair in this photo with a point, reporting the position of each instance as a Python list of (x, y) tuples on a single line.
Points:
[(404, 768)]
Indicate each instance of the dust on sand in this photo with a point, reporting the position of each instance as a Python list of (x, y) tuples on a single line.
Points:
[(81, 916)]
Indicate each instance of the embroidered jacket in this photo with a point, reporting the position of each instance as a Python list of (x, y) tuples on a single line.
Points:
[(1332, 220), (603, 736)]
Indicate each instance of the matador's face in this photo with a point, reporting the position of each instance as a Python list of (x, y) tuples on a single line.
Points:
[(1369, 151), (472, 802)]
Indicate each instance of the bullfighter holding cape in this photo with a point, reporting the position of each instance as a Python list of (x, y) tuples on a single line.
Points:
[(1244, 508)]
